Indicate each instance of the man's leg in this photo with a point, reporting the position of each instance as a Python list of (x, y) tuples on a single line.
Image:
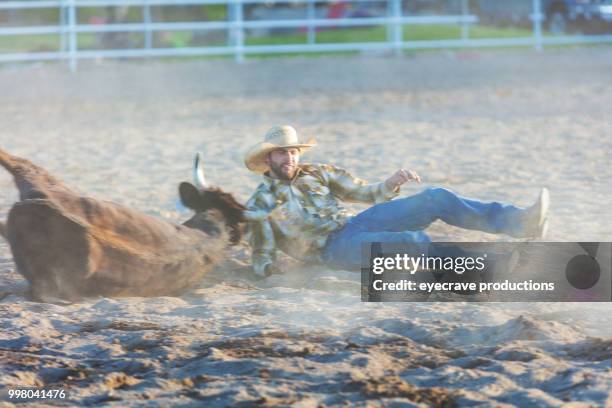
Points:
[(344, 251), (419, 211), (343, 248)]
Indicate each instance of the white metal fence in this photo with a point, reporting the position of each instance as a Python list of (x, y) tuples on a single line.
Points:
[(68, 29)]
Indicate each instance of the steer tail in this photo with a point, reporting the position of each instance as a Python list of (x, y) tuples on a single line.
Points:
[(31, 180)]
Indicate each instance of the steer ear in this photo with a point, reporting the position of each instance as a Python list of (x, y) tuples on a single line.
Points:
[(190, 196)]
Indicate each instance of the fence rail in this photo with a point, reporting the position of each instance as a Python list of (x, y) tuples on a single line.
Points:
[(394, 20)]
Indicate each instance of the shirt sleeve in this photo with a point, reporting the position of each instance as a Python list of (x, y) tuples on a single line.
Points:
[(261, 236), (352, 189)]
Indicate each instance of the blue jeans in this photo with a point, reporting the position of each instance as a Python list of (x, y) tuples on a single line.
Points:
[(402, 221)]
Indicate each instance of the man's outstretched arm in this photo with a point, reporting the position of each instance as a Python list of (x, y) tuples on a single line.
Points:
[(352, 189)]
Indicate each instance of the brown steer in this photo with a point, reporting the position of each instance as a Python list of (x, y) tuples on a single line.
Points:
[(68, 246)]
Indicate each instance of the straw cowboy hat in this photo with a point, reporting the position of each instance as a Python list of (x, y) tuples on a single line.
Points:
[(278, 137)]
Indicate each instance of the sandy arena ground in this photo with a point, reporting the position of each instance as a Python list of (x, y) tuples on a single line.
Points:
[(494, 125)]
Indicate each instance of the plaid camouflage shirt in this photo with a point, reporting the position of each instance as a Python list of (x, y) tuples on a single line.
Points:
[(297, 216)]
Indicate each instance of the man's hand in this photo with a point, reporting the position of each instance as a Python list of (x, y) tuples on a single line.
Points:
[(400, 177)]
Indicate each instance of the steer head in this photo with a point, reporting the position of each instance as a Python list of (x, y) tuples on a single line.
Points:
[(201, 198)]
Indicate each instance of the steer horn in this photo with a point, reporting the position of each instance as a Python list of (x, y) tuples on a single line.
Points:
[(198, 173), (200, 182)]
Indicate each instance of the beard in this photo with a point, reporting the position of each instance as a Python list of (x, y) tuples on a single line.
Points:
[(282, 172)]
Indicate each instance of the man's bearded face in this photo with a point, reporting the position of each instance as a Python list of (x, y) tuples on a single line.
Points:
[(283, 162)]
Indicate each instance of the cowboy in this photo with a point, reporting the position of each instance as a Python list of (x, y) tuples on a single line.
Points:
[(297, 209)]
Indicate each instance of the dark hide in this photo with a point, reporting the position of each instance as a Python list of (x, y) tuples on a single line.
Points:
[(68, 246), (201, 201)]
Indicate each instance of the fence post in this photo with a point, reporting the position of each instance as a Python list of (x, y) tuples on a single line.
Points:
[(537, 17), (311, 15), (395, 30), (388, 25), (465, 27), (62, 23), (72, 39), (238, 31), (146, 19), (230, 18)]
